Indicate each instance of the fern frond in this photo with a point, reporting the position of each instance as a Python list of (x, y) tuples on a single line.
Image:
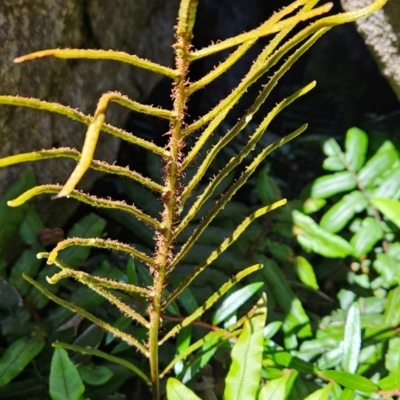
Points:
[(99, 243), (211, 301), (80, 277), (75, 155), (78, 310), (267, 28), (231, 191), (220, 249), (80, 117), (103, 282), (101, 55), (87, 199)]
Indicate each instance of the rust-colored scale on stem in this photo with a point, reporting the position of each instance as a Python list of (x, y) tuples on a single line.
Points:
[(172, 195)]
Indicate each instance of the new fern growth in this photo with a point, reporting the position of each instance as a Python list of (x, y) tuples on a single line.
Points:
[(279, 54)]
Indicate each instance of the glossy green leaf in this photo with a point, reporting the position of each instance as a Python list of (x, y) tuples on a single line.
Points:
[(352, 339), (320, 394), (331, 148), (178, 391), (333, 163), (296, 319), (313, 238), (234, 301), (351, 381), (313, 205), (347, 394), (243, 379), (65, 381), (378, 164), (17, 356), (305, 272), (328, 185), (95, 374), (389, 208), (356, 146), (387, 267), (271, 329), (366, 237), (389, 187), (389, 383), (278, 388), (340, 214), (391, 316)]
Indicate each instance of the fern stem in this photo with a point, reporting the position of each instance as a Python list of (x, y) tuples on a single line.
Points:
[(97, 165), (100, 55), (171, 196)]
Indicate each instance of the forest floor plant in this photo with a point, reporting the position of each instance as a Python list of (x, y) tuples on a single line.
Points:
[(177, 193)]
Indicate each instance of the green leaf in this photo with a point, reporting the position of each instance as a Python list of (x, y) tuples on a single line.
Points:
[(178, 391), (331, 148), (366, 237), (320, 394), (278, 388), (377, 165), (10, 218), (14, 317), (296, 320), (356, 146), (95, 374), (243, 380), (339, 215), (328, 185), (89, 226), (347, 394), (234, 301), (352, 339), (305, 272), (131, 272), (312, 237), (387, 268), (313, 205), (65, 382), (389, 186), (17, 356), (333, 163), (351, 381), (391, 316), (389, 208), (267, 189)]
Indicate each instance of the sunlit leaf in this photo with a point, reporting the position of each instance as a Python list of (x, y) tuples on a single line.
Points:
[(340, 214), (352, 339), (366, 237), (312, 237), (351, 381), (389, 208), (378, 164), (178, 391), (320, 394), (243, 379), (328, 185), (278, 388), (234, 301), (305, 272), (356, 146)]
